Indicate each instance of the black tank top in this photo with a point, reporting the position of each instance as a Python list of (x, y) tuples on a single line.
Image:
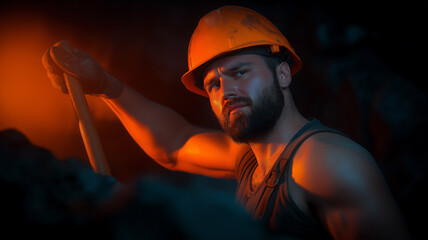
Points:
[(271, 202)]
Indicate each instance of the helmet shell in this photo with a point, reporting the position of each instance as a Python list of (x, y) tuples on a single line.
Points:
[(228, 29)]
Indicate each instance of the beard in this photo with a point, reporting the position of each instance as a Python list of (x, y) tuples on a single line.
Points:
[(263, 116)]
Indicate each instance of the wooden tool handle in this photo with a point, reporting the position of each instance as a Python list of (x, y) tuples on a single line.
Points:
[(86, 125)]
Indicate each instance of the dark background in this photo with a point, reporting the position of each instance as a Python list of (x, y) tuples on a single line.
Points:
[(364, 65)]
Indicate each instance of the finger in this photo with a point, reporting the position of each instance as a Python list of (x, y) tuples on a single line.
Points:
[(64, 59), (57, 81), (48, 64), (63, 54), (80, 53), (64, 44)]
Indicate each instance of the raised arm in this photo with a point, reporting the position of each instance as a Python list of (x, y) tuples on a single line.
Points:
[(162, 133), (172, 141)]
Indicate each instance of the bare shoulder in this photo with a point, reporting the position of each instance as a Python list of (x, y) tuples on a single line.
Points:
[(341, 183), (329, 164), (335, 145)]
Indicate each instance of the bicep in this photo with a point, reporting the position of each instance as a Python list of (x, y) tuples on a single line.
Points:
[(362, 207), (209, 153), (349, 193)]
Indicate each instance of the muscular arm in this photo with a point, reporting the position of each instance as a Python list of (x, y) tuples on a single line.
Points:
[(346, 190), (162, 133), (172, 141)]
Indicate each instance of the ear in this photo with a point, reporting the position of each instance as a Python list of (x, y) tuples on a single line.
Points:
[(283, 73)]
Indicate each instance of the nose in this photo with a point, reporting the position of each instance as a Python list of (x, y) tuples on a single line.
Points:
[(229, 87)]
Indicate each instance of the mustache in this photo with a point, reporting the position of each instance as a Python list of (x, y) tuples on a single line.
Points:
[(236, 101)]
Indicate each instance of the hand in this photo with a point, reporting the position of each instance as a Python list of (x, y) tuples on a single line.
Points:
[(62, 58)]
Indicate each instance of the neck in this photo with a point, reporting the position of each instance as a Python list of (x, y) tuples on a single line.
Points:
[(268, 148)]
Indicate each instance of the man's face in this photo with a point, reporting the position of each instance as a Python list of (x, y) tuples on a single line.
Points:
[(245, 96)]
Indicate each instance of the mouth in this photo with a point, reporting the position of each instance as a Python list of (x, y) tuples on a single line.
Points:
[(235, 105), (235, 108)]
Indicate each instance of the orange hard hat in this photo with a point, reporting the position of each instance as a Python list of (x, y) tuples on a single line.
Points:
[(226, 30)]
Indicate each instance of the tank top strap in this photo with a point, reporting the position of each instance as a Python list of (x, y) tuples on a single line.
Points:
[(244, 167), (283, 165), (311, 128), (259, 201)]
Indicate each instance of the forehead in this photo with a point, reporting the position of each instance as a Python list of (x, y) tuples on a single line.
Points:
[(230, 62)]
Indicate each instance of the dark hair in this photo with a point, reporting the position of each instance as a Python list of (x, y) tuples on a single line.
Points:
[(272, 60)]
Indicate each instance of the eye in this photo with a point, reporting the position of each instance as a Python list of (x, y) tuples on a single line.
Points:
[(240, 72), (212, 85)]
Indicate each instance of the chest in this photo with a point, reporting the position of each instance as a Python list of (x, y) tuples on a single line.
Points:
[(274, 199), (256, 178), (262, 193)]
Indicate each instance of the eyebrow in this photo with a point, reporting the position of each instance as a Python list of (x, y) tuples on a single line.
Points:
[(238, 66), (228, 70)]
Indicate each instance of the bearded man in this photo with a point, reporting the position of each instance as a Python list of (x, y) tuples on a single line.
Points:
[(305, 180)]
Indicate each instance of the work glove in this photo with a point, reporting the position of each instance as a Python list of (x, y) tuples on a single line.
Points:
[(62, 58)]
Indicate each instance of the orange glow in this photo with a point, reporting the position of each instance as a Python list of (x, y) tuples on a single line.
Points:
[(28, 102)]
